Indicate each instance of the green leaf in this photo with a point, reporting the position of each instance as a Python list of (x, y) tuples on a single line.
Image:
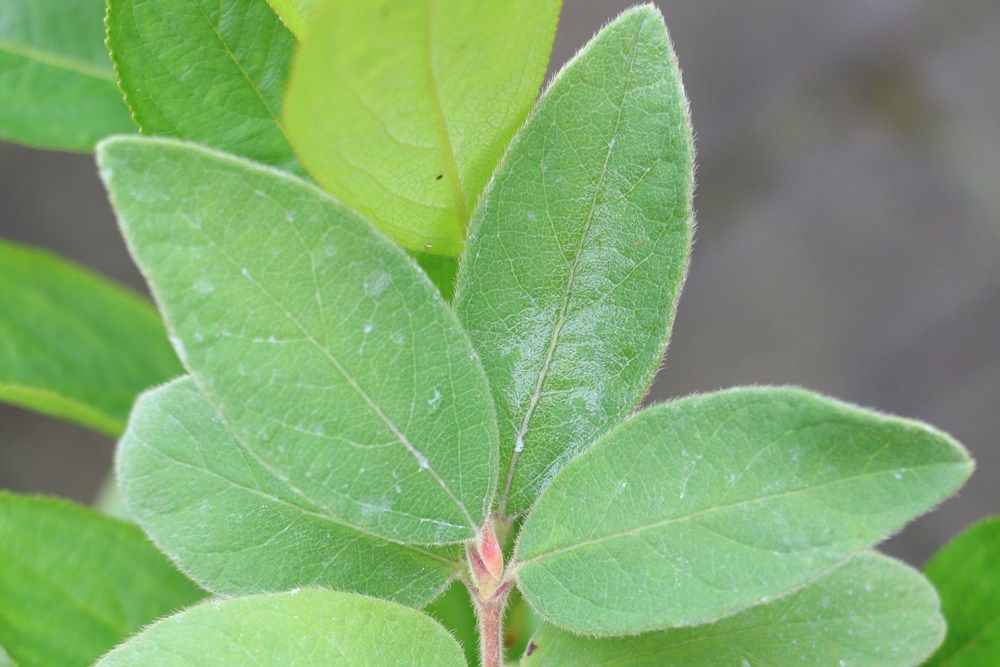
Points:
[(72, 344), (455, 612), (311, 627), (704, 506), (236, 527), (57, 86), (402, 109), (871, 612), (965, 574), (577, 254), (322, 345), (441, 271), (212, 71), (74, 583), (293, 13)]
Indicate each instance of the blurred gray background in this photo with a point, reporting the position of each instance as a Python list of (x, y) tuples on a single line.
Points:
[(848, 223)]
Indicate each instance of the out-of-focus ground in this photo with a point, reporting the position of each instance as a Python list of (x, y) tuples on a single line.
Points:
[(849, 223)]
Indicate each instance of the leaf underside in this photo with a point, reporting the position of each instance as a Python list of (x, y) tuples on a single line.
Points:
[(698, 508)]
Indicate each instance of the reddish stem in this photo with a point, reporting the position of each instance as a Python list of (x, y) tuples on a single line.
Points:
[(490, 615)]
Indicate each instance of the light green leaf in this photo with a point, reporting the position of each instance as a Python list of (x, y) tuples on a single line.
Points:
[(871, 612), (74, 583), (966, 576), (307, 628), (704, 506), (212, 71), (322, 345), (236, 527), (577, 254), (72, 344), (57, 86), (402, 109), (293, 13)]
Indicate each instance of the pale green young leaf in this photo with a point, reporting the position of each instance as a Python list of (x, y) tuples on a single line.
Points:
[(211, 71), (401, 110), (871, 612), (294, 14), (74, 583), (577, 253), (966, 575), (322, 345), (236, 527), (308, 628), (57, 86), (698, 508), (74, 345)]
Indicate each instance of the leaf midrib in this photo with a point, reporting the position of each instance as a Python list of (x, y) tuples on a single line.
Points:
[(444, 135), (715, 508), (567, 291), (119, 629), (324, 515), (54, 60), (373, 406), (246, 76)]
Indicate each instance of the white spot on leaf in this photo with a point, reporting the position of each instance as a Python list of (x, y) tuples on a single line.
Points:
[(377, 282)]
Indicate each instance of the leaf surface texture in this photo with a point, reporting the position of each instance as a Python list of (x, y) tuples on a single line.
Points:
[(321, 344), (698, 508), (871, 612), (577, 253), (74, 583), (74, 345)]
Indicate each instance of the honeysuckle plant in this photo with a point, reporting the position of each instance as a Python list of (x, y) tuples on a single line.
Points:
[(415, 311)]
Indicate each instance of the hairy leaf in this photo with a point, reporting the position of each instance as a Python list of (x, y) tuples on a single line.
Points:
[(237, 527), (57, 86), (871, 612), (73, 345), (212, 71), (74, 583), (294, 14), (455, 612), (966, 576), (577, 254), (402, 109), (701, 507), (322, 345), (311, 627)]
